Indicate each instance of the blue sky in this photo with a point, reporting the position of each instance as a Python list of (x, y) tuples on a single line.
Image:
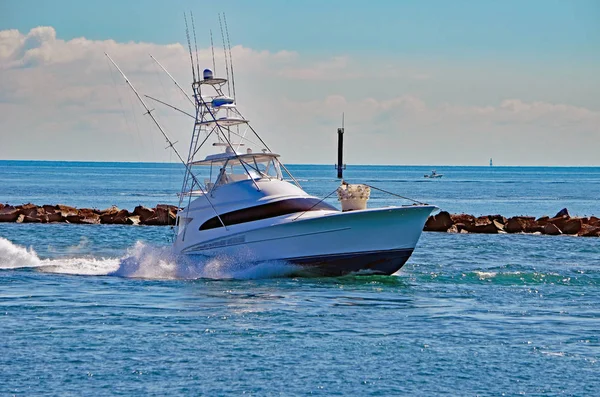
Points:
[(467, 80), (549, 29)]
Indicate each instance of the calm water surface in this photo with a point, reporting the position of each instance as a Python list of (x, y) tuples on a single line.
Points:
[(104, 310)]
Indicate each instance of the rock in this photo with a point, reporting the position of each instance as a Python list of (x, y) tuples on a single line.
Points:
[(55, 217), (482, 225), (119, 218), (462, 218), (20, 218), (438, 223), (551, 229), (25, 208), (143, 213), (572, 226), (516, 224), (563, 212), (162, 216), (497, 218), (109, 211), (542, 220), (559, 221), (531, 226), (135, 220), (34, 215), (76, 219), (65, 210), (499, 226), (32, 219), (2, 206), (594, 221), (49, 209), (589, 231), (122, 218), (463, 221), (153, 221), (85, 217), (28, 209), (9, 214), (91, 219), (522, 224), (453, 229), (460, 227), (88, 216), (169, 207), (489, 228)]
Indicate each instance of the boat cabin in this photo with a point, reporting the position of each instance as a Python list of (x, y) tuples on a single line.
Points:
[(230, 167)]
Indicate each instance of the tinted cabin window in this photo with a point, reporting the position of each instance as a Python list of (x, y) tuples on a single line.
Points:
[(265, 211)]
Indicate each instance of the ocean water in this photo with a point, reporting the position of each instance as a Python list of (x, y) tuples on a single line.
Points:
[(106, 310)]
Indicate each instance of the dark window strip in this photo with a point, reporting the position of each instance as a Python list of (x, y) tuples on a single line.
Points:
[(264, 211)]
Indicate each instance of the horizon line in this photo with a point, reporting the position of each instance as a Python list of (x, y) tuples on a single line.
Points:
[(320, 164)]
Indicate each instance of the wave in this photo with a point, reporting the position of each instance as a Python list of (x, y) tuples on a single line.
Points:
[(144, 261), (507, 277)]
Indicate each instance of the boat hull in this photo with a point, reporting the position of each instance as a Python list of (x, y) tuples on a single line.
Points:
[(372, 241), (362, 263)]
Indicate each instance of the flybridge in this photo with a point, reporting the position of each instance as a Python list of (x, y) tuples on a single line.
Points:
[(218, 124)]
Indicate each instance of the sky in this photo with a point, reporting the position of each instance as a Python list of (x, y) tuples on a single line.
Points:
[(419, 82)]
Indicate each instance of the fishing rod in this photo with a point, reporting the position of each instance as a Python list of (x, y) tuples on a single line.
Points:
[(195, 44), (230, 57), (187, 34)]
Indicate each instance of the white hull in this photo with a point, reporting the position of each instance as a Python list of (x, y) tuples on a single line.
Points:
[(374, 240)]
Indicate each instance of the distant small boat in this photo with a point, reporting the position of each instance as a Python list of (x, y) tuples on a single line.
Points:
[(433, 174)]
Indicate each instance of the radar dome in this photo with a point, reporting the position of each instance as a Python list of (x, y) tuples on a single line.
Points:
[(208, 74)]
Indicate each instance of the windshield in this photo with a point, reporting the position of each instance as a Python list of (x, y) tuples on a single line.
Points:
[(238, 169)]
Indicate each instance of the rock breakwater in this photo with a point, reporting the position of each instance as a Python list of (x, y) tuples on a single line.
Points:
[(162, 214), (561, 223)]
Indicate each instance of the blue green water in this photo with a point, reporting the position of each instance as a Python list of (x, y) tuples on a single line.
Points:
[(467, 315)]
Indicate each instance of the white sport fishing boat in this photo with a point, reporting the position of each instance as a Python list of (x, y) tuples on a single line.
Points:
[(235, 203)]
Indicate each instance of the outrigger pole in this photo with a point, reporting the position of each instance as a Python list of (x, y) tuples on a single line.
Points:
[(148, 111), (173, 79), (171, 143)]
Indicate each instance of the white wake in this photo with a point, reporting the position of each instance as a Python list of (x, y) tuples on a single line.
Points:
[(143, 261)]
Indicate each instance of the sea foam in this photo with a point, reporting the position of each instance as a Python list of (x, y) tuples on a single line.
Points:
[(144, 261)]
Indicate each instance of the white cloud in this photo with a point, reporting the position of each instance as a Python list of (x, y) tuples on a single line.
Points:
[(62, 100)]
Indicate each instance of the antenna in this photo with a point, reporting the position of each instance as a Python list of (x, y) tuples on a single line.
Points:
[(187, 34), (230, 57), (195, 44), (212, 47), (225, 53)]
